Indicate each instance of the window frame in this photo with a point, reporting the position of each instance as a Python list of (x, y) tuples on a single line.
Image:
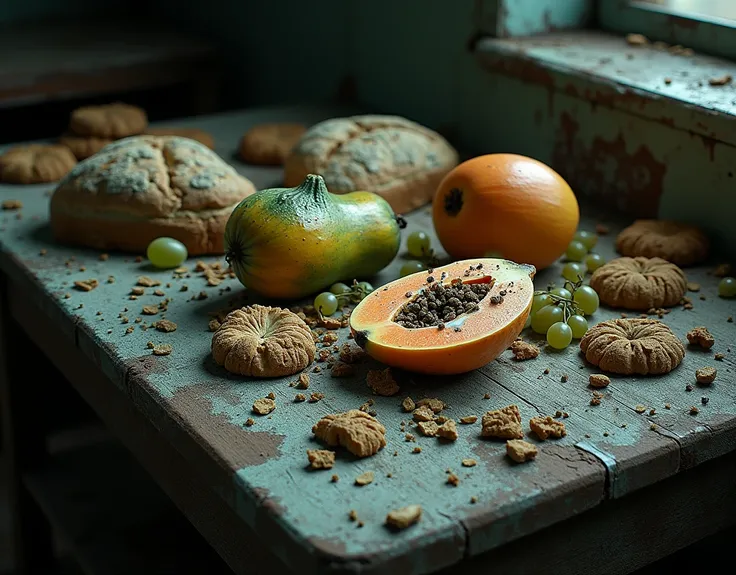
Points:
[(708, 35)]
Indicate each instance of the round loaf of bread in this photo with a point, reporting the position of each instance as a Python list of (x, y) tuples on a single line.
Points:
[(391, 156), (144, 187)]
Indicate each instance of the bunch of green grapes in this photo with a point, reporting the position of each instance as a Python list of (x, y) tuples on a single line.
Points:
[(580, 258), (326, 303), (559, 313), (419, 247)]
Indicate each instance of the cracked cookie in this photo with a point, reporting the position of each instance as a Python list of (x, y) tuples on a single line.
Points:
[(639, 283), (633, 346), (111, 121), (262, 341), (270, 144), (36, 164), (144, 187), (358, 432), (681, 244)]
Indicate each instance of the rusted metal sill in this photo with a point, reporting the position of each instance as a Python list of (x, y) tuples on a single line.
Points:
[(646, 81)]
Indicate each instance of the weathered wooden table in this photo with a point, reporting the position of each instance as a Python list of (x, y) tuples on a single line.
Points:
[(622, 489)]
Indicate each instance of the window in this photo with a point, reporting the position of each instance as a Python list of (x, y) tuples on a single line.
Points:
[(708, 26)]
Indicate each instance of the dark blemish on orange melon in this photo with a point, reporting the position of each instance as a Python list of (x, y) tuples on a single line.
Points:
[(454, 201), (361, 338)]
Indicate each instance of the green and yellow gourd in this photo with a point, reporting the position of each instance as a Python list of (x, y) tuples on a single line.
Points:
[(288, 243)]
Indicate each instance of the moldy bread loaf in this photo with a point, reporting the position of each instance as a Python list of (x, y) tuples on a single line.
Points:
[(144, 187), (395, 158)]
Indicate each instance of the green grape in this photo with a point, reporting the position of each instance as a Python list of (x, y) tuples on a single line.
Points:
[(340, 288), (561, 292), (166, 253), (365, 287), (418, 244), (576, 251), (411, 267), (326, 303), (545, 317), (587, 299), (578, 324), (540, 301), (573, 271), (559, 335), (586, 238), (727, 287), (593, 262)]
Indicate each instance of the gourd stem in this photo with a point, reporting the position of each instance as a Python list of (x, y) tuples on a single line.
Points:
[(313, 185)]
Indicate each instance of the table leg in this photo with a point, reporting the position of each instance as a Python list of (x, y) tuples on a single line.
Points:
[(24, 435)]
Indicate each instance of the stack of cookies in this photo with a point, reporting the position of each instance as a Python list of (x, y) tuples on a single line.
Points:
[(91, 128)]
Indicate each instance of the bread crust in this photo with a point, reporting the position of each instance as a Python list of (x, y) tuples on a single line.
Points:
[(144, 187), (391, 156)]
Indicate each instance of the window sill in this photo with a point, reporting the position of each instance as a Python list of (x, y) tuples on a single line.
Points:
[(603, 69)]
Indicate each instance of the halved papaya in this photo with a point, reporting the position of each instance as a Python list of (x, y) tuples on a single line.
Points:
[(452, 319)]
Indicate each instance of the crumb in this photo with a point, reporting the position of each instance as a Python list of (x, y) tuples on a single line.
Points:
[(250, 421), (692, 286), (653, 426), (335, 478), (694, 410), (408, 405), (469, 462), (381, 381), (546, 371), (545, 427), (652, 411), (435, 405), (469, 419), (688, 387), (602, 229), (423, 413), (640, 409), (316, 396), (409, 437), (474, 499), (12, 204), (504, 423), (448, 430), (299, 397), (704, 400), (86, 285), (150, 310), (321, 458), (599, 380), (523, 350), (330, 323), (145, 281), (353, 515), (303, 381), (453, 480), (351, 353), (404, 517), (428, 428), (163, 349), (341, 369), (263, 406), (271, 395), (667, 406), (701, 336), (595, 400), (720, 80), (487, 396), (165, 325), (705, 375), (364, 479), (520, 450), (564, 378), (417, 450)]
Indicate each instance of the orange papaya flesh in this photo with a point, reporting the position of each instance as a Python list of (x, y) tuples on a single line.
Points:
[(469, 341)]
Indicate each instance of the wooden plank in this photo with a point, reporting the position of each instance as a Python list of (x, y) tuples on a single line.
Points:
[(114, 519), (49, 61), (239, 546), (610, 450)]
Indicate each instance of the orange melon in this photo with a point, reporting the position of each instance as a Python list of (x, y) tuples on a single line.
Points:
[(507, 206), (462, 343)]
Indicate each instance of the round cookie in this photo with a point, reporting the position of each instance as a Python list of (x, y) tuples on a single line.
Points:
[(200, 136), (680, 244), (270, 144), (83, 147), (110, 121), (36, 163), (140, 188), (639, 283), (632, 346)]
